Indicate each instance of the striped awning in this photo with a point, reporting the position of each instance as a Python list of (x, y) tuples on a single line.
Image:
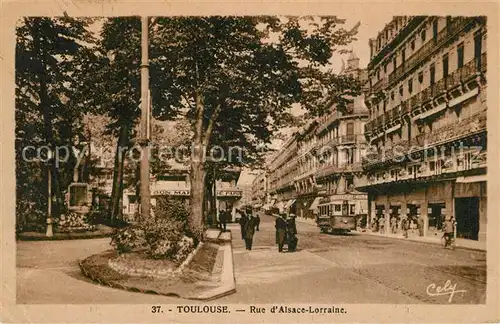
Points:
[(477, 178), (464, 97)]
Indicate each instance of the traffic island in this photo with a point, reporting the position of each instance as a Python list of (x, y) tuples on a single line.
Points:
[(208, 273), (99, 232)]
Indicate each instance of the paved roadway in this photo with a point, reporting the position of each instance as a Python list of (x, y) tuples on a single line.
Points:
[(353, 268), (326, 269)]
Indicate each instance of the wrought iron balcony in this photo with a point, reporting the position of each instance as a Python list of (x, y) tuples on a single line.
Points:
[(455, 26)]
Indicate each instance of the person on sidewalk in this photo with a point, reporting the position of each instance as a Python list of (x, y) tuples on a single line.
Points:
[(405, 225), (291, 230), (249, 230), (381, 225), (394, 225), (420, 226), (257, 222), (243, 221), (449, 230), (280, 231), (224, 217)]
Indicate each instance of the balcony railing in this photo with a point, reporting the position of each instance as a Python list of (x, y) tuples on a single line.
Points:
[(380, 84), (455, 26), (450, 132)]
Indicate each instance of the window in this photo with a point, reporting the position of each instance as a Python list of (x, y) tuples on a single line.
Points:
[(403, 56), (385, 68), (460, 55), (353, 209), (378, 74), (433, 73), (422, 36), (392, 95), (349, 182), (421, 77), (337, 208), (445, 65), (477, 49), (410, 86), (394, 63), (432, 165), (350, 129), (435, 30), (401, 91), (412, 45)]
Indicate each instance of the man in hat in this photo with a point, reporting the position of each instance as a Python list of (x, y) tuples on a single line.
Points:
[(249, 230), (243, 221), (280, 230), (291, 230)]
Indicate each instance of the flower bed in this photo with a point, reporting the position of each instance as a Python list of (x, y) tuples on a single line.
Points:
[(74, 222)]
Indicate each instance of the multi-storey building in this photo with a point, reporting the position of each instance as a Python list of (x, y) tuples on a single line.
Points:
[(281, 172), (330, 151), (259, 189), (321, 164), (427, 129)]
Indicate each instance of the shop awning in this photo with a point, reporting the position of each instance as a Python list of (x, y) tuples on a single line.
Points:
[(315, 203), (477, 178), (289, 203), (268, 205)]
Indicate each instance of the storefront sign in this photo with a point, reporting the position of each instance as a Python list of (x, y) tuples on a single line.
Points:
[(224, 193), (171, 193)]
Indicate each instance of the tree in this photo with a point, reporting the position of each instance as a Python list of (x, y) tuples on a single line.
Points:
[(242, 75), (51, 66)]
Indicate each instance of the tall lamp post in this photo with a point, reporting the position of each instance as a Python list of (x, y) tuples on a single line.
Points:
[(50, 231), (144, 140)]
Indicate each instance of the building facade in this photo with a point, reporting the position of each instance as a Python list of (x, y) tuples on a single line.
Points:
[(259, 190), (321, 164), (427, 128)]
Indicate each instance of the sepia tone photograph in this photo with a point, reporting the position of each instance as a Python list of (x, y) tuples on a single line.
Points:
[(250, 166)]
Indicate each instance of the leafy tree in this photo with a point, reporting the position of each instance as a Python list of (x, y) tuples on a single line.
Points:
[(239, 76), (51, 66)]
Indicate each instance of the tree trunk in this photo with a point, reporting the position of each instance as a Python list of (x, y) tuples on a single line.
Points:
[(39, 49), (197, 173), (117, 191)]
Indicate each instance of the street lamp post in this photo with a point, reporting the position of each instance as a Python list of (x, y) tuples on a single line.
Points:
[(50, 230), (144, 174)]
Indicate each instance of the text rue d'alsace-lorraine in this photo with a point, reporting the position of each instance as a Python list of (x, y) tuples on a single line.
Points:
[(256, 166)]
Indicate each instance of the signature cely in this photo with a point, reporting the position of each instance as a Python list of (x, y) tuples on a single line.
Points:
[(447, 289)]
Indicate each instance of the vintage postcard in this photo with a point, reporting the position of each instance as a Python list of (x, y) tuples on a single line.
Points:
[(249, 162)]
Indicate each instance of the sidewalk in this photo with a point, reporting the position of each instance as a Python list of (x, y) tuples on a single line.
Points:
[(460, 243)]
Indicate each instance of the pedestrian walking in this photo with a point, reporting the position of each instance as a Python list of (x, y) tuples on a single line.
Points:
[(406, 225), (257, 222), (291, 231), (280, 231), (243, 221), (249, 230), (449, 230), (394, 225), (381, 225), (420, 226), (223, 219)]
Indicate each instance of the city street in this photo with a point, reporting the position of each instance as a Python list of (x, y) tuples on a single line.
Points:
[(352, 268)]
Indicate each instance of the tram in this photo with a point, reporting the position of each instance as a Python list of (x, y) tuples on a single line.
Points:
[(339, 215)]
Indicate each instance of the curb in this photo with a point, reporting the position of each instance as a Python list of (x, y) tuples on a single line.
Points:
[(421, 241), (227, 287), (62, 236), (227, 278)]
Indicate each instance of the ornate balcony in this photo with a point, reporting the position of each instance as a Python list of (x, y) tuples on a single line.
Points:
[(455, 26), (415, 101), (380, 84)]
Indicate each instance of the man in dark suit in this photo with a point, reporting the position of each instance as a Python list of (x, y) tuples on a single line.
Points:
[(243, 221), (291, 230), (249, 230), (280, 231)]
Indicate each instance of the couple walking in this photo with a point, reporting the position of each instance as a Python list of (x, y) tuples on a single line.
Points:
[(286, 229)]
